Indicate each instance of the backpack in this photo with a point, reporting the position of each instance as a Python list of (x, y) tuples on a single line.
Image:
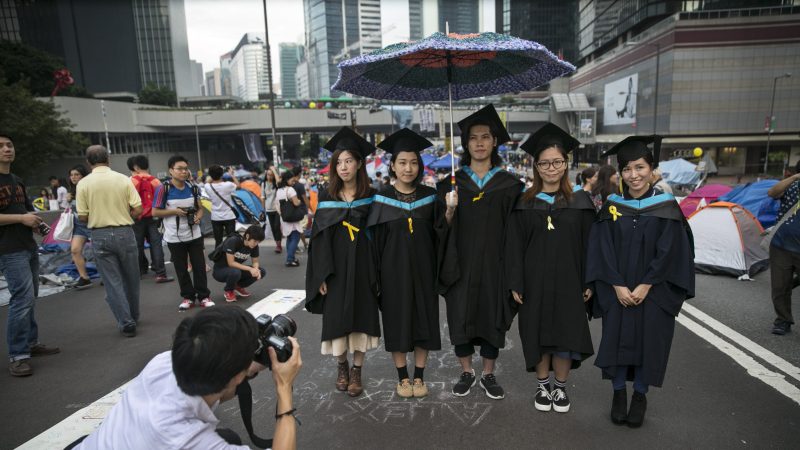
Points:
[(165, 186), (219, 252), (248, 207), (146, 192)]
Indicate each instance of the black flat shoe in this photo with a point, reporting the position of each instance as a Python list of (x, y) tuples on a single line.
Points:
[(619, 407), (638, 407)]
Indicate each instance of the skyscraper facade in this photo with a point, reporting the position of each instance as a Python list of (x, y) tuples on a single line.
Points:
[(415, 20), (552, 24), (249, 68), (463, 16), (336, 30), (290, 55), (111, 46)]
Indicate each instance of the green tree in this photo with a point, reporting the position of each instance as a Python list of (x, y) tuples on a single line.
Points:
[(40, 132), (153, 94), (22, 62)]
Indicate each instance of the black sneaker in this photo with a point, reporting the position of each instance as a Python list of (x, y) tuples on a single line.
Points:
[(781, 328), (129, 330), (638, 407), (83, 283), (543, 402), (464, 384), (492, 389), (560, 400)]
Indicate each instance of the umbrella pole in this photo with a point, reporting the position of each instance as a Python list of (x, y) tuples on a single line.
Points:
[(450, 104)]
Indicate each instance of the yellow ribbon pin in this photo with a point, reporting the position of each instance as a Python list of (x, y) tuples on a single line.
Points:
[(411, 225), (550, 224), (350, 229), (614, 214), (479, 197)]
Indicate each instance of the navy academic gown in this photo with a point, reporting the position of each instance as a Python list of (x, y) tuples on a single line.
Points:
[(405, 238), (471, 277), (344, 261), (644, 241), (545, 263)]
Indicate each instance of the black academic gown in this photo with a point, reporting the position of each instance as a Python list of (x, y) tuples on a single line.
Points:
[(405, 238), (645, 241), (545, 263), (345, 264), (471, 275)]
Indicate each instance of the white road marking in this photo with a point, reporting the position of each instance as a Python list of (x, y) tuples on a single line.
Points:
[(759, 351), (775, 380), (86, 420)]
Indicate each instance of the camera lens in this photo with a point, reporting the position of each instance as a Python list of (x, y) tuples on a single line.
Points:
[(284, 325)]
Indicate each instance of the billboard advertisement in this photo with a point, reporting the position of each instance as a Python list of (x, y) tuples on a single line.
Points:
[(620, 101)]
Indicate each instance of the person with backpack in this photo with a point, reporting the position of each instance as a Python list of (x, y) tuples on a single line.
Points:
[(177, 201), (229, 267), (223, 216), (291, 227), (146, 225)]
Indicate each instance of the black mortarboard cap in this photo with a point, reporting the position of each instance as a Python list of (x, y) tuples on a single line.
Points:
[(405, 140), (488, 116), (548, 136), (347, 139), (634, 147)]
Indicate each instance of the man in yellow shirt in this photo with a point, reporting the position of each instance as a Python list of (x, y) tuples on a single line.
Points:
[(108, 202)]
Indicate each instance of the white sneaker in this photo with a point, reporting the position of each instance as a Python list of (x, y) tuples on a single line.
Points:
[(206, 302), (185, 304)]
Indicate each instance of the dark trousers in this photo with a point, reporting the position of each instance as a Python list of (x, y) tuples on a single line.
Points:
[(183, 253), (275, 225), (148, 227), (221, 229), (783, 265), (488, 350), (233, 277)]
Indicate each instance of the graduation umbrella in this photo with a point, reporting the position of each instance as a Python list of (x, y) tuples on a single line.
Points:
[(427, 159), (451, 67), (444, 162)]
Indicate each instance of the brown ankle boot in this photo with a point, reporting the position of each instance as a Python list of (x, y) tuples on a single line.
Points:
[(342, 377), (354, 389)]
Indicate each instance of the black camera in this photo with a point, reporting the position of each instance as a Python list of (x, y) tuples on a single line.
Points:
[(274, 332), (44, 228), (190, 214)]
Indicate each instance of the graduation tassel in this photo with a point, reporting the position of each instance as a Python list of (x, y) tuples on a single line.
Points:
[(411, 225), (350, 229), (550, 224), (479, 197)]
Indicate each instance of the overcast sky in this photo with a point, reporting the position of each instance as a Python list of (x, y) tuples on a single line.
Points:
[(215, 27)]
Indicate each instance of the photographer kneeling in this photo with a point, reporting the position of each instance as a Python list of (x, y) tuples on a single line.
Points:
[(170, 404), (229, 268)]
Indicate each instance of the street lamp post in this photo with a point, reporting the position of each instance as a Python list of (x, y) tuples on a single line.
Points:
[(770, 117), (275, 143), (197, 138)]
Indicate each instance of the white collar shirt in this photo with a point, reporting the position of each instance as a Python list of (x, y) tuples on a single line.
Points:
[(155, 414)]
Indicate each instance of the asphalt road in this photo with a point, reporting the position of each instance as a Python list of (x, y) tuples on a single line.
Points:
[(708, 400)]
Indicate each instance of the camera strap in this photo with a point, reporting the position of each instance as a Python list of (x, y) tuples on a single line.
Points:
[(245, 394)]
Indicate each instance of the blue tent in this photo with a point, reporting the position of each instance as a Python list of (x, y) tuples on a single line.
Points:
[(445, 162), (427, 159), (753, 197), (679, 171)]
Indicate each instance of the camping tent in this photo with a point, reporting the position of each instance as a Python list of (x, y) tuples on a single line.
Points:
[(727, 241), (754, 198), (704, 196), (679, 171), (444, 162)]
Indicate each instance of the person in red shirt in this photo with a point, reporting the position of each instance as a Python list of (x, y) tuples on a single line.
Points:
[(146, 225)]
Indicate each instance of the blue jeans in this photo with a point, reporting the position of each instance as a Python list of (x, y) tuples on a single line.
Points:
[(291, 245), (234, 278), (620, 379), (21, 270), (117, 261)]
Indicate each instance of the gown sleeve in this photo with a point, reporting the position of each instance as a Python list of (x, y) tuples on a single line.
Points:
[(671, 272), (447, 255), (587, 221), (515, 246), (318, 268)]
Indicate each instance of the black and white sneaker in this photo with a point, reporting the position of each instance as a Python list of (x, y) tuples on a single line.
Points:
[(543, 401), (492, 389), (83, 283), (560, 400), (464, 384)]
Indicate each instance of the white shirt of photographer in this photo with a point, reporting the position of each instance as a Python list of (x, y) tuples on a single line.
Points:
[(155, 414)]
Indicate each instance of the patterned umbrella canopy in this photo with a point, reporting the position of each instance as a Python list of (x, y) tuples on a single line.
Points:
[(473, 65)]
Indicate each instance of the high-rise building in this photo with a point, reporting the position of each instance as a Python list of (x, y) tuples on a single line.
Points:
[(197, 79), (463, 16), (249, 68), (290, 55), (552, 24), (112, 46), (225, 74), (415, 29), (336, 30), (301, 80), (212, 83)]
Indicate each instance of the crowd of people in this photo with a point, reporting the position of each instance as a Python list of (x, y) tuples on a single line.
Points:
[(552, 254)]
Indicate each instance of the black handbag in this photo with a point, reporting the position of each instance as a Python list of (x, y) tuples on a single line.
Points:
[(291, 213)]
